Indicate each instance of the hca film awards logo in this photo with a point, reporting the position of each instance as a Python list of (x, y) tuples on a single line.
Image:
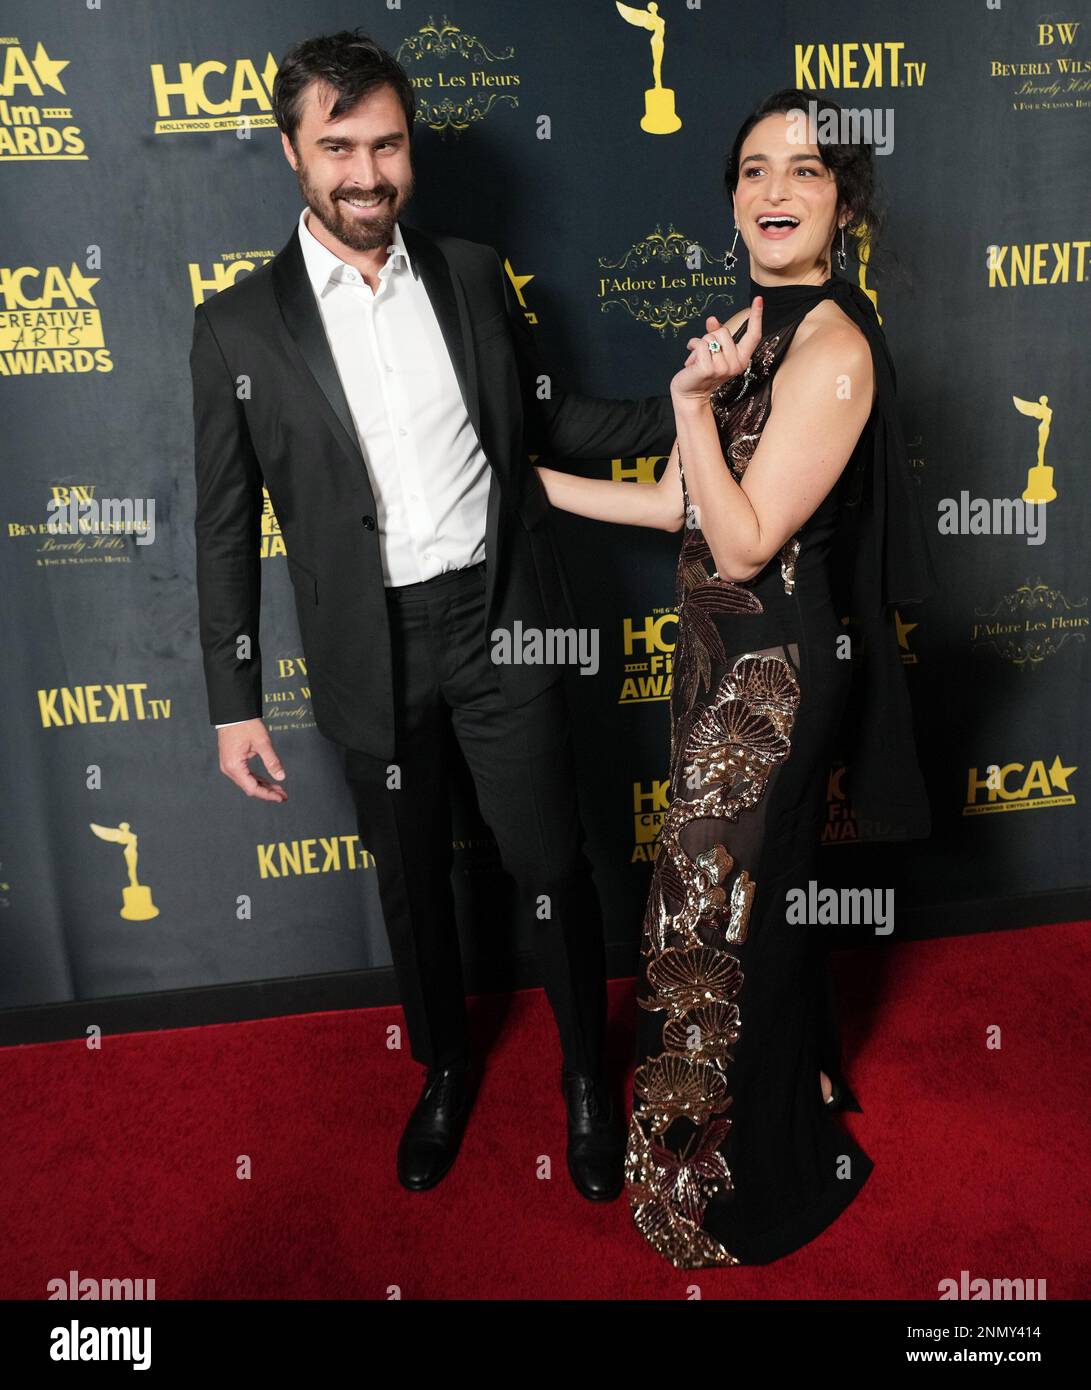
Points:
[(33, 123), (648, 656)]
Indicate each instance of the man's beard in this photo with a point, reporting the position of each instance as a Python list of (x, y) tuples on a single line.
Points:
[(361, 234)]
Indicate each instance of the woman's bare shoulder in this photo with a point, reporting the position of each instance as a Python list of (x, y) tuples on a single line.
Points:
[(829, 334), (827, 321)]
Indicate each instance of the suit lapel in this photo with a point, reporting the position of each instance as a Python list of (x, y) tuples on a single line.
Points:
[(448, 300), (303, 320), (449, 304)]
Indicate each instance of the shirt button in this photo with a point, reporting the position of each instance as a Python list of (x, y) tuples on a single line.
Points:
[(369, 523), (401, 430), (389, 367)]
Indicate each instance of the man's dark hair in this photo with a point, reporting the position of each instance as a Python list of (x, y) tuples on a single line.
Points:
[(350, 62)]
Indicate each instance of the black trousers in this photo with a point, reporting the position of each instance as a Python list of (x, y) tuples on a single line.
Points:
[(446, 687)]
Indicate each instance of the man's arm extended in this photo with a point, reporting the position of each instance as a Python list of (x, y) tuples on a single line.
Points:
[(568, 425), (227, 527)]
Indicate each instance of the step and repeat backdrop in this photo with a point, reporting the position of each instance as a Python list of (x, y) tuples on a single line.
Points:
[(143, 174)]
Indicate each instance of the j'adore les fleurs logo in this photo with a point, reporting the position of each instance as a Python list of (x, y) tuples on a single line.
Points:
[(665, 280), (457, 77)]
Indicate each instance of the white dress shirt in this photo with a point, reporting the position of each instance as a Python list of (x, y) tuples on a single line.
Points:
[(428, 472)]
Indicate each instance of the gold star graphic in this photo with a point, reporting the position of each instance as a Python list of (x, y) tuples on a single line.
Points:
[(903, 630), (1059, 774), (48, 68), (81, 284)]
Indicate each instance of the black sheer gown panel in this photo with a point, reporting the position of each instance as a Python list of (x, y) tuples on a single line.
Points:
[(733, 1158)]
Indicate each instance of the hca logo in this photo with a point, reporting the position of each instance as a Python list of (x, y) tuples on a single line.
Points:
[(213, 95), (49, 321), (1018, 787), (650, 802), (28, 106)]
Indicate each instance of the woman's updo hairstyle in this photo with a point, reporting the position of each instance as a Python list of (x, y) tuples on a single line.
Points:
[(852, 164)]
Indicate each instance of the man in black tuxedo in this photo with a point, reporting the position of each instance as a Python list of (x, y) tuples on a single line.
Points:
[(392, 394)]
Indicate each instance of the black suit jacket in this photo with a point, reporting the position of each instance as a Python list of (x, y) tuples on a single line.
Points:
[(263, 340)]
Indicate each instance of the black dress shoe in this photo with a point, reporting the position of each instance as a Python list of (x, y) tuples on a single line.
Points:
[(433, 1133), (596, 1137)]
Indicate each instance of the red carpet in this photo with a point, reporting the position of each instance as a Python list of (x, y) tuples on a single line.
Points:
[(122, 1163)]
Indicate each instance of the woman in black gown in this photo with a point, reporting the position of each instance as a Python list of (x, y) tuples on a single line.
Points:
[(790, 480)]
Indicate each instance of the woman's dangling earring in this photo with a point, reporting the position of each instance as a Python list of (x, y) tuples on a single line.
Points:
[(839, 254), (731, 258)]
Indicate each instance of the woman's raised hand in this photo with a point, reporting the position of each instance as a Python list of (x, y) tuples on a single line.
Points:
[(706, 368)]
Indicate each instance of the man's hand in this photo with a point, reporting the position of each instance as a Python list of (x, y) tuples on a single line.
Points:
[(703, 371), (241, 742)]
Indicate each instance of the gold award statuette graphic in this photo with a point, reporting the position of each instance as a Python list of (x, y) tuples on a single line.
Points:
[(659, 116), (137, 905), (1039, 478)]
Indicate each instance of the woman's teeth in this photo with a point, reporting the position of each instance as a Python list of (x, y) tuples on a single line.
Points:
[(777, 228)]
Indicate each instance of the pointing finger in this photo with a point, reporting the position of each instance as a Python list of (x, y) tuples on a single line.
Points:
[(752, 336), (756, 310)]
